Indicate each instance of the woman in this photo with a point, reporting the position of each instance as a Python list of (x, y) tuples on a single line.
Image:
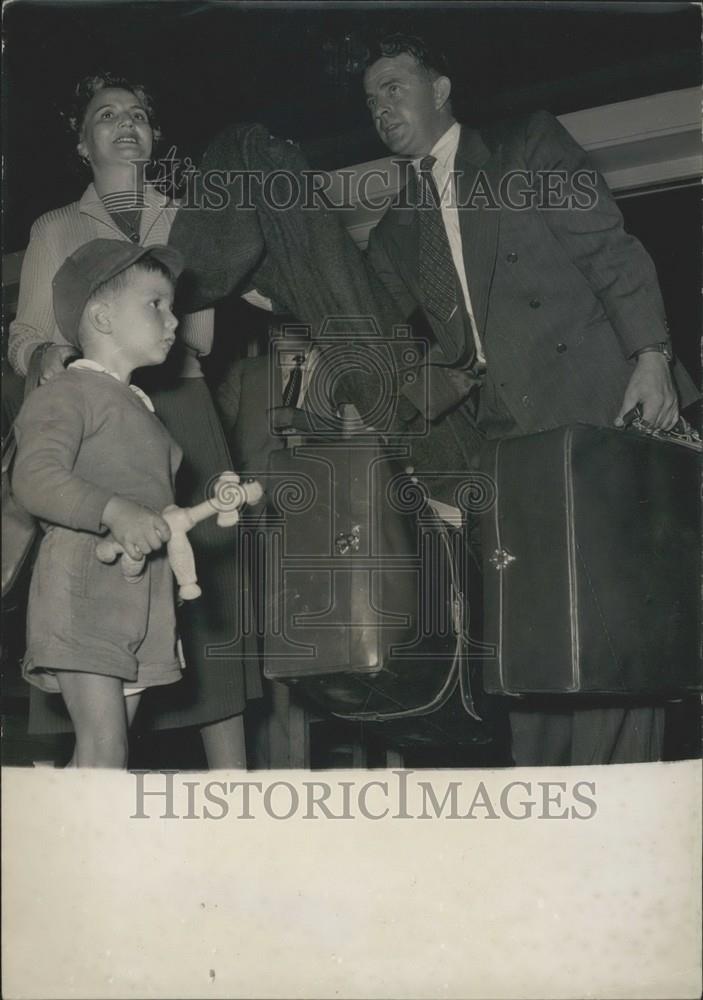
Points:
[(113, 121)]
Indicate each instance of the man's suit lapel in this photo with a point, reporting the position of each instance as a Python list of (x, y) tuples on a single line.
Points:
[(478, 170)]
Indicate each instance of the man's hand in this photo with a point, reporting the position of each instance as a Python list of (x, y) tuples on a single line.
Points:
[(651, 385), (138, 529), (54, 360)]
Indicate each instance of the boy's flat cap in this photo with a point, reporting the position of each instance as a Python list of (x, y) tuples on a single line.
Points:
[(93, 264)]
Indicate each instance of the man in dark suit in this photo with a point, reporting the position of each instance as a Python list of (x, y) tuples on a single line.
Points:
[(545, 312)]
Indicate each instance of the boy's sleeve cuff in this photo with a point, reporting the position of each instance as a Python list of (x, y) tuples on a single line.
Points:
[(88, 515)]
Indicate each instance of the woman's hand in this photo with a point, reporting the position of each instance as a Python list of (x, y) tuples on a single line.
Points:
[(54, 360), (138, 529)]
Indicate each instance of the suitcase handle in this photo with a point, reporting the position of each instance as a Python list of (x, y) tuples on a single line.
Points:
[(681, 433)]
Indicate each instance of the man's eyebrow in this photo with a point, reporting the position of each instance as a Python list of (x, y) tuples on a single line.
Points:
[(385, 83)]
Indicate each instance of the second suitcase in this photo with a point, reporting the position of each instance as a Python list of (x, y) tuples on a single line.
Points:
[(591, 564)]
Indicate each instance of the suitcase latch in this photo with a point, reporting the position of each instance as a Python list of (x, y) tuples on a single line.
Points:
[(345, 543), (501, 559)]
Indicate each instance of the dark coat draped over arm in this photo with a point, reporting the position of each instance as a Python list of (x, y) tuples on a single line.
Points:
[(250, 222)]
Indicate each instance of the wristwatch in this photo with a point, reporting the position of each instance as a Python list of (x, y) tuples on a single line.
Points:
[(662, 348)]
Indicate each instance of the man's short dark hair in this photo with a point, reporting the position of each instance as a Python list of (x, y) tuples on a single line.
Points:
[(432, 60)]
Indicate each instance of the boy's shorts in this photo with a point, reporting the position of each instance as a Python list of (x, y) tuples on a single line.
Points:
[(84, 616)]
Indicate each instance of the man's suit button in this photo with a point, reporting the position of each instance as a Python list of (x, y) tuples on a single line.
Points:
[(535, 303), (525, 400), (561, 348), (512, 257)]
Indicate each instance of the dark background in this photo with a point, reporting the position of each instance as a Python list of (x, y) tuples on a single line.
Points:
[(210, 64), (214, 63)]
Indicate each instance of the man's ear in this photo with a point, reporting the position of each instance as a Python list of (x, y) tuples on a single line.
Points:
[(442, 88), (100, 316)]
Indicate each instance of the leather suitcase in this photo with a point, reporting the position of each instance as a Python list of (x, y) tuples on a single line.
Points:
[(364, 587), (591, 564)]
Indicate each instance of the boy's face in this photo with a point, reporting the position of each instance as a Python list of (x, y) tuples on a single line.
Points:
[(142, 324)]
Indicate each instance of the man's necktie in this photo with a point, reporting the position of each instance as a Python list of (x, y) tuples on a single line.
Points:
[(437, 272), (291, 392)]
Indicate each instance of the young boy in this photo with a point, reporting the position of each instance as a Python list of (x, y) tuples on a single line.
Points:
[(93, 457)]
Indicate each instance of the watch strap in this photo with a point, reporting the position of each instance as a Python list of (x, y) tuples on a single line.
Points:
[(664, 347)]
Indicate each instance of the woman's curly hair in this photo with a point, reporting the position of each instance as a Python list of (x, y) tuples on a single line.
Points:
[(89, 86)]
